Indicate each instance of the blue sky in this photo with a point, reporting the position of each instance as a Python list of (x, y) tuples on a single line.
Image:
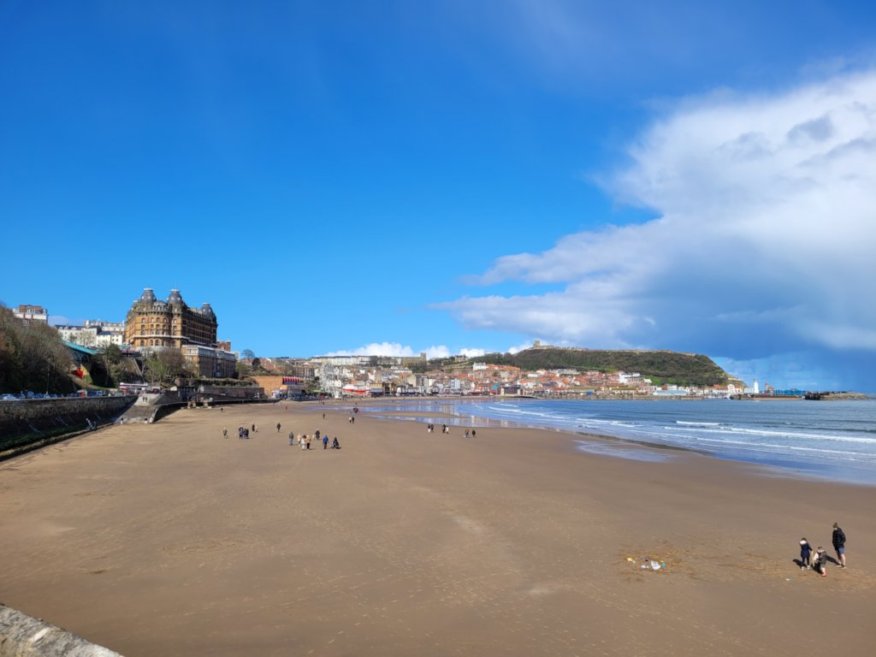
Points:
[(453, 176)]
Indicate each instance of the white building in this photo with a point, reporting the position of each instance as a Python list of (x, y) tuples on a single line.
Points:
[(32, 313), (94, 334)]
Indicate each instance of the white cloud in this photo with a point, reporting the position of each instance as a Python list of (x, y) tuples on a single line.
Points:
[(377, 349), (516, 349), (764, 239), (399, 350), (63, 320)]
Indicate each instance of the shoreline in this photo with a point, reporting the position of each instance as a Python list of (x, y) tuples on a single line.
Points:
[(776, 464), (168, 539)]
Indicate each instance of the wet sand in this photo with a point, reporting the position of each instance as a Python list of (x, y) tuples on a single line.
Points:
[(167, 539)]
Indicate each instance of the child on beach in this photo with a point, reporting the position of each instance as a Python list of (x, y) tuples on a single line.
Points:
[(819, 564), (805, 554)]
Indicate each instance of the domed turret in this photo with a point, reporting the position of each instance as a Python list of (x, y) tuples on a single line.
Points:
[(175, 297), (148, 296), (207, 309)]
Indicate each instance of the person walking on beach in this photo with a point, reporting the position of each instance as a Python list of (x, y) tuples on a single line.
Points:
[(805, 554), (278, 427), (839, 544), (325, 441), (253, 429), (291, 438), (225, 432)]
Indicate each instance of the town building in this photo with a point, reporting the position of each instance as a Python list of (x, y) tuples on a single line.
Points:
[(29, 313), (94, 333), (152, 323), (208, 362)]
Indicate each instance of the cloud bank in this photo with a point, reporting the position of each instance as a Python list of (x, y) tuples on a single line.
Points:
[(764, 239), (397, 349)]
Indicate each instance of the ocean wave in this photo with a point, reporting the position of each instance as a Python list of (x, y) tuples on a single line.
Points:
[(697, 423)]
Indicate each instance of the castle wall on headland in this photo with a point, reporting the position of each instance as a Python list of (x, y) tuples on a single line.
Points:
[(25, 423)]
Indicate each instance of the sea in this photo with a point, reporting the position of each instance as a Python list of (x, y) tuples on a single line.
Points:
[(829, 440)]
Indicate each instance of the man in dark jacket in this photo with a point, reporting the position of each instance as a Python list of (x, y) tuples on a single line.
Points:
[(839, 544)]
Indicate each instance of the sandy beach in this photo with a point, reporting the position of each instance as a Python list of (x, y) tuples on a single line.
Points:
[(167, 539)]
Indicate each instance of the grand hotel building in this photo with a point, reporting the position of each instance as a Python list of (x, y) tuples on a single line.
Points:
[(172, 324)]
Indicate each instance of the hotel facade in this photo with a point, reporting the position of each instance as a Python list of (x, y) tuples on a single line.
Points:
[(152, 323)]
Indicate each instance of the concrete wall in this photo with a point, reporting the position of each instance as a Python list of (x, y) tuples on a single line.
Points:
[(24, 636), (28, 421), (268, 382)]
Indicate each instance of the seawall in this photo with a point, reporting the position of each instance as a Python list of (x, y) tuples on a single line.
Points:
[(24, 636), (30, 423)]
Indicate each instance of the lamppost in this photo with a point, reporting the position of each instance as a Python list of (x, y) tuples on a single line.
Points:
[(48, 371)]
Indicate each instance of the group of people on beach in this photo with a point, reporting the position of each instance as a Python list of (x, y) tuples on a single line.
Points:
[(304, 440), (242, 432), (818, 559), (445, 429)]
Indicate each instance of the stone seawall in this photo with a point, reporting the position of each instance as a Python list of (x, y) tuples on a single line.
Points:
[(24, 636), (29, 423)]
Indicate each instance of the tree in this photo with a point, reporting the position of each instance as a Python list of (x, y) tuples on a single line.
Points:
[(119, 368), (112, 354), (32, 357), (247, 354), (243, 370), (165, 365)]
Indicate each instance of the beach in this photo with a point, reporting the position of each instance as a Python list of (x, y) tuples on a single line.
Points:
[(169, 539)]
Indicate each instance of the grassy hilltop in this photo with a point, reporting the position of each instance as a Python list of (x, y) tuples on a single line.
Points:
[(659, 366)]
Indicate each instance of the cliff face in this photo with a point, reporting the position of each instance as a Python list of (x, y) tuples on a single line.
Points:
[(659, 366)]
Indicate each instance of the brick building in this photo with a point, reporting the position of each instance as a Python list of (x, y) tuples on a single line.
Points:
[(152, 323), (208, 362)]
